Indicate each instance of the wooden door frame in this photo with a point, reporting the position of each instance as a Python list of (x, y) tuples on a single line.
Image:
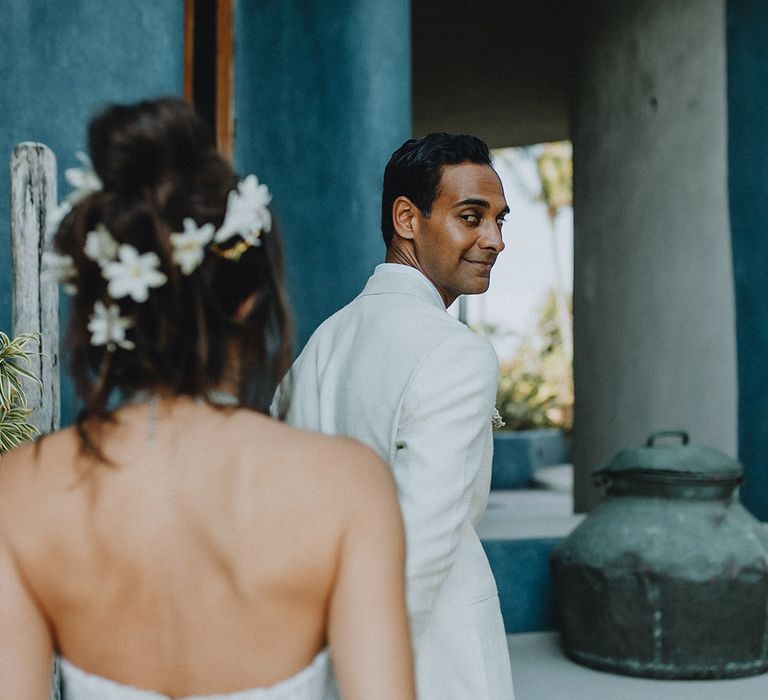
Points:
[(224, 121)]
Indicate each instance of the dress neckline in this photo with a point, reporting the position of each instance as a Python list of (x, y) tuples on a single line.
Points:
[(73, 674)]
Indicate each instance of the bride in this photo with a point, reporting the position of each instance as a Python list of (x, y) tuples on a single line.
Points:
[(176, 541)]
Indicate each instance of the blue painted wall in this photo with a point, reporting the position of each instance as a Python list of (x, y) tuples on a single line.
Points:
[(747, 28), (322, 98), (60, 62)]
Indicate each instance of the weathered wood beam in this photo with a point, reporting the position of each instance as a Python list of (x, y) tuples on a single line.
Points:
[(36, 296)]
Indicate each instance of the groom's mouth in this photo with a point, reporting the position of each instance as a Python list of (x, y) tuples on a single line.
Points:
[(482, 266)]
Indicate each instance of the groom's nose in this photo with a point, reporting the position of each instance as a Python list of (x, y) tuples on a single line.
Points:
[(491, 238)]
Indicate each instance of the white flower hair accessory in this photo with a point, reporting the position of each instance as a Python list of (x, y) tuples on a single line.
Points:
[(83, 181), (132, 274), (129, 273), (62, 269), (247, 213), (189, 246), (108, 327), (496, 420), (56, 216), (100, 246)]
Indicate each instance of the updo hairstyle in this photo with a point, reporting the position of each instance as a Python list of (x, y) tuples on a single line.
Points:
[(158, 165)]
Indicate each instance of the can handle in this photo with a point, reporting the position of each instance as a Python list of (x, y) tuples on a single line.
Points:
[(667, 433)]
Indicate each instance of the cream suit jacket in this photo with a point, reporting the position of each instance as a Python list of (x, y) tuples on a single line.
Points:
[(397, 372)]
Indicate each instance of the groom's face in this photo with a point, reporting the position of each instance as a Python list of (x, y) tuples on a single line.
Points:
[(457, 244)]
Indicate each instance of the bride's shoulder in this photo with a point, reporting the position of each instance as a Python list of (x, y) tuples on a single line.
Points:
[(34, 472), (44, 454)]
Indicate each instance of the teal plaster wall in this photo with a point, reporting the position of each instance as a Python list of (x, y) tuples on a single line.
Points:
[(322, 98), (60, 62), (747, 28)]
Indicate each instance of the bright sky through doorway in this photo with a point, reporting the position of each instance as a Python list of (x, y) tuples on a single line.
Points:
[(524, 272)]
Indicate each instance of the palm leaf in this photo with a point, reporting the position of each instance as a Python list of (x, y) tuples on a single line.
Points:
[(15, 428), (15, 366), (6, 391), (22, 371)]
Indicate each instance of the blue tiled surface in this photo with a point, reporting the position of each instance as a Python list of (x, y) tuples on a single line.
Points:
[(512, 465), (521, 569), (516, 455)]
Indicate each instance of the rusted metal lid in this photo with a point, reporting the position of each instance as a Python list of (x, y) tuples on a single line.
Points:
[(672, 460)]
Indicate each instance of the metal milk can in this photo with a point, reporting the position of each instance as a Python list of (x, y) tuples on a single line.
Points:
[(668, 576)]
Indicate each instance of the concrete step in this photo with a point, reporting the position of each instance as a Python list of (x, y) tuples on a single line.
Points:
[(542, 672), (554, 477), (518, 532)]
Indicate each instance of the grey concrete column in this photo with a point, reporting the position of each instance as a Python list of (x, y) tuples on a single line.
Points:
[(653, 287), (322, 98)]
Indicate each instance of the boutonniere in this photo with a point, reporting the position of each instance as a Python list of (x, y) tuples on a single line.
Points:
[(496, 420)]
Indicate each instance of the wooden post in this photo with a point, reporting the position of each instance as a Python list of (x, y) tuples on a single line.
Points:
[(225, 125), (36, 296)]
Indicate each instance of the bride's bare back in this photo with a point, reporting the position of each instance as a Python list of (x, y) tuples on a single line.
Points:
[(214, 553), (210, 550)]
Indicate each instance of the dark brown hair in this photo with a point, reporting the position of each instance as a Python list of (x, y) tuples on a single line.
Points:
[(415, 170), (158, 165)]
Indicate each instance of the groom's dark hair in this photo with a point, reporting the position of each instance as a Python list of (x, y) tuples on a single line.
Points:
[(415, 169)]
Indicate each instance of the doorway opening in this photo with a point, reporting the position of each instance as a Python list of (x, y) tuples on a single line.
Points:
[(505, 74), (208, 65), (527, 312)]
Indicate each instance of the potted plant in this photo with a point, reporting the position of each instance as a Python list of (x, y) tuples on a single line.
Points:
[(15, 363), (535, 401)]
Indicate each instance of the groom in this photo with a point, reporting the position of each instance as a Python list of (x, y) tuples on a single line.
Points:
[(397, 372)]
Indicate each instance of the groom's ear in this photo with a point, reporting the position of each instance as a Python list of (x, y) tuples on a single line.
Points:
[(404, 213)]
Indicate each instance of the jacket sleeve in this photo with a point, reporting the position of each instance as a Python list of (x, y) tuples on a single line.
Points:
[(443, 444)]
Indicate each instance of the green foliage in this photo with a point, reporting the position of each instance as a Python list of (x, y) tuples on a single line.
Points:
[(15, 364), (554, 165), (536, 385)]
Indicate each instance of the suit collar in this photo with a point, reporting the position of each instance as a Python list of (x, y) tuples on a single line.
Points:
[(393, 278)]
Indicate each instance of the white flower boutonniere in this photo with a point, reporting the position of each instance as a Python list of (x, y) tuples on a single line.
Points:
[(133, 274), (108, 328), (189, 246), (496, 420), (247, 213)]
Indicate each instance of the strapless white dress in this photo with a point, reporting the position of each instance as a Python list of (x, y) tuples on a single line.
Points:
[(311, 683)]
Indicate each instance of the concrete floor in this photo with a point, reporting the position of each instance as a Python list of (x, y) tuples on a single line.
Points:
[(541, 672)]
